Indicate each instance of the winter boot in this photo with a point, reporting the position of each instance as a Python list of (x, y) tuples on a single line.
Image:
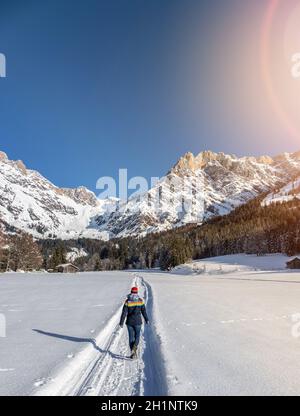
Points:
[(133, 352)]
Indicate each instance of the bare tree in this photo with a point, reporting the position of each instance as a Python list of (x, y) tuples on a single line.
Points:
[(3, 251), (25, 253)]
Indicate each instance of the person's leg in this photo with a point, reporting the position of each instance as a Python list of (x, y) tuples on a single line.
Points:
[(131, 334), (137, 331)]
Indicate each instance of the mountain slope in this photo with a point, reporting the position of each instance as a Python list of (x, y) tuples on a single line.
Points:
[(31, 203), (197, 188), (284, 194)]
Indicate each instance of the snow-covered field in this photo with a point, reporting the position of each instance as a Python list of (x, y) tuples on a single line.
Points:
[(50, 318), (233, 334), (214, 333), (235, 263)]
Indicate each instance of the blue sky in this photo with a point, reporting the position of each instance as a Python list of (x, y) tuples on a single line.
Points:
[(94, 86)]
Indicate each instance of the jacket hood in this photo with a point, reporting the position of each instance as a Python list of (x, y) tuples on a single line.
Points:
[(133, 297)]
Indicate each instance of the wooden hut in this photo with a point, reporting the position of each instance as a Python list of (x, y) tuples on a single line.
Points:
[(293, 264), (66, 268)]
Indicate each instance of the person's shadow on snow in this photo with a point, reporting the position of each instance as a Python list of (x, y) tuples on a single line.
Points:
[(83, 340)]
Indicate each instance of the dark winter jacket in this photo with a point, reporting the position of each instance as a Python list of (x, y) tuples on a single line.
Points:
[(134, 308)]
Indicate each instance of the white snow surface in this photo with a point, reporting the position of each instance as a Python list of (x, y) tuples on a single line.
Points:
[(228, 332), (233, 263), (75, 253), (51, 319), (284, 194), (229, 335)]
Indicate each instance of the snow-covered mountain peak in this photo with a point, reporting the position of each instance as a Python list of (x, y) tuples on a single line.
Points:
[(3, 156), (31, 203), (82, 195), (186, 162), (19, 164), (192, 163), (265, 160), (195, 189)]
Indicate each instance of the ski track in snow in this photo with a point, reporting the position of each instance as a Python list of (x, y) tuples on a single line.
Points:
[(104, 368)]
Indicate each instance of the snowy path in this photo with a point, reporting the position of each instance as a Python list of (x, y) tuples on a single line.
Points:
[(104, 368)]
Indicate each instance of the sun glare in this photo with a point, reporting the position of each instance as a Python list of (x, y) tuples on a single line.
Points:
[(280, 60)]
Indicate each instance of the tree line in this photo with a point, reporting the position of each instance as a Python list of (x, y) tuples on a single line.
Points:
[(19, 252)]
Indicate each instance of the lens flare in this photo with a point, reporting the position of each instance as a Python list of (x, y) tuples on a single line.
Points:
[(275, 101)]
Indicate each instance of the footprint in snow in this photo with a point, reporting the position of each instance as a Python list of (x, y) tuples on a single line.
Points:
[(89, 389), (173, 379), (41, 382), (70, 355)]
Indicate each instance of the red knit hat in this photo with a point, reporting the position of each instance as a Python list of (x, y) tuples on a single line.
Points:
[(134, 290)]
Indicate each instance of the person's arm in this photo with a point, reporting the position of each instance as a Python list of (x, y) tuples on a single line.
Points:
[(124, 314), (144, 313)]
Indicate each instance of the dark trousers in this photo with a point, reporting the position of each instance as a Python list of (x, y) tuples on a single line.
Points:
[(134, 332)]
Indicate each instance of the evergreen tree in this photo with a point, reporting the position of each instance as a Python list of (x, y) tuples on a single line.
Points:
[(58, 257)]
